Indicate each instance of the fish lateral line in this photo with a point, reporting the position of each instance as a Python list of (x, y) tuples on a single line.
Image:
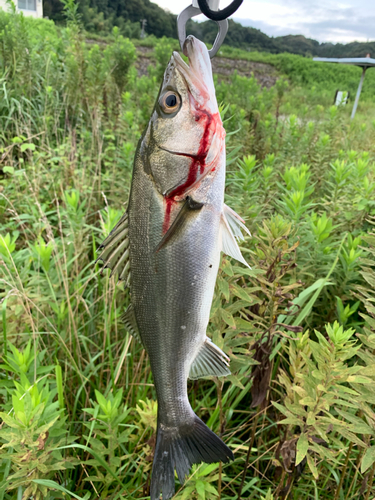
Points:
[(180, 220)]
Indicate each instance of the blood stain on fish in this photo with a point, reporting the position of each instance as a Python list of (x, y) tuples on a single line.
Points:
[(167, 216), (198, 160)]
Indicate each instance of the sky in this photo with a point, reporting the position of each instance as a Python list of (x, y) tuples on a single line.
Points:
[(323, 20)]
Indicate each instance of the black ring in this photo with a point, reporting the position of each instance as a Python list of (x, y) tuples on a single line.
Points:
[(219, 15)]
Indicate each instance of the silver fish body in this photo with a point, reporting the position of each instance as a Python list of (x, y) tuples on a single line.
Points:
[(175, 228), (172, 289)]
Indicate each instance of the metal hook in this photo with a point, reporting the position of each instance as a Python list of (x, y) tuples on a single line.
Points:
[(215, 14), (193, 11)]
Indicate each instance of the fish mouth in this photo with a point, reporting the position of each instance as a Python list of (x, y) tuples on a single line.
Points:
[(198, 73), (197, 77)]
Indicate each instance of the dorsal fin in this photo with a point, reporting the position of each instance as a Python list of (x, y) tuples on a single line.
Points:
[(115, 254), (130, 321)]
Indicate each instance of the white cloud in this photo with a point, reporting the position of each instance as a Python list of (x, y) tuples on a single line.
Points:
[(323, 20)]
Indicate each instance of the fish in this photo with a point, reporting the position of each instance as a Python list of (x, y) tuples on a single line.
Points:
[(167, 249)]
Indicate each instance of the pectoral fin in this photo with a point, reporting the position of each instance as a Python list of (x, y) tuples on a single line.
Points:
[(210, 361), (231, 225), (179, 222), (235, 222)]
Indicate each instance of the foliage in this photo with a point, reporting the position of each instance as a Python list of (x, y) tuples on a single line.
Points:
[(35, 427), (76, 392), (308, 73)]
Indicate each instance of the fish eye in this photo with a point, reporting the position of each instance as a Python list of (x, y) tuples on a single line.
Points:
[(170, 102)]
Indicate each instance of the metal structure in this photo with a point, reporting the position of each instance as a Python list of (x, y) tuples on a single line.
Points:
[(143, 30), (210, 8), (194, 10), (362, 62)]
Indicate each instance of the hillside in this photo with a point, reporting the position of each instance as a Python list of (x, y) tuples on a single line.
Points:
[(99, 16)]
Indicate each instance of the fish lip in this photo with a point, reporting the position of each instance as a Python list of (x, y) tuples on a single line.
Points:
[(179, 62), (198, 73)]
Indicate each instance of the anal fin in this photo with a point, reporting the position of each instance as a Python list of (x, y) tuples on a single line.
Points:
[(130, 321), (210, 361)]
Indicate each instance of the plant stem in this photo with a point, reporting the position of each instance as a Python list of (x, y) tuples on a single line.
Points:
[(370, 481), (343, 472), (253, 430), (354, 480), (220, 403)]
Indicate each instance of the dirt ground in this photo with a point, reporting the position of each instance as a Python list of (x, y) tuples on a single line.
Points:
[(223, 67)]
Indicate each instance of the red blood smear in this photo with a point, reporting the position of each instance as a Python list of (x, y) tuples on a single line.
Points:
[(198, 160), (167, 216)]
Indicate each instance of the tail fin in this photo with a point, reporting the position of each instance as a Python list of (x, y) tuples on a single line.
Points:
[(179, 448)]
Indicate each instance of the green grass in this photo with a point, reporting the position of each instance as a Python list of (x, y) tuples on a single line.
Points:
[(76, 391)]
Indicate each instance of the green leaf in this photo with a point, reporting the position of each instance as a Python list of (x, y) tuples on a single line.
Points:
[(241, 293), (308, 307), (9, 420), (187, 493), (282, 409), (224, 288), (244, 326), (247, 271), (227, 268), (8, 170), (359, 427), (308, 401), (295, 409), (101, 400), (199, 485), (292, 421), (317, 374), (218, 339), (97, 457), (204, 471), (368, 459), (302, 447), (357, 379), (312, 466), (235, 381), (211, 489), (228, 318), (60, 386), (310, 418), (302, 297), (348, 434), (53, 485), (27, 146)]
